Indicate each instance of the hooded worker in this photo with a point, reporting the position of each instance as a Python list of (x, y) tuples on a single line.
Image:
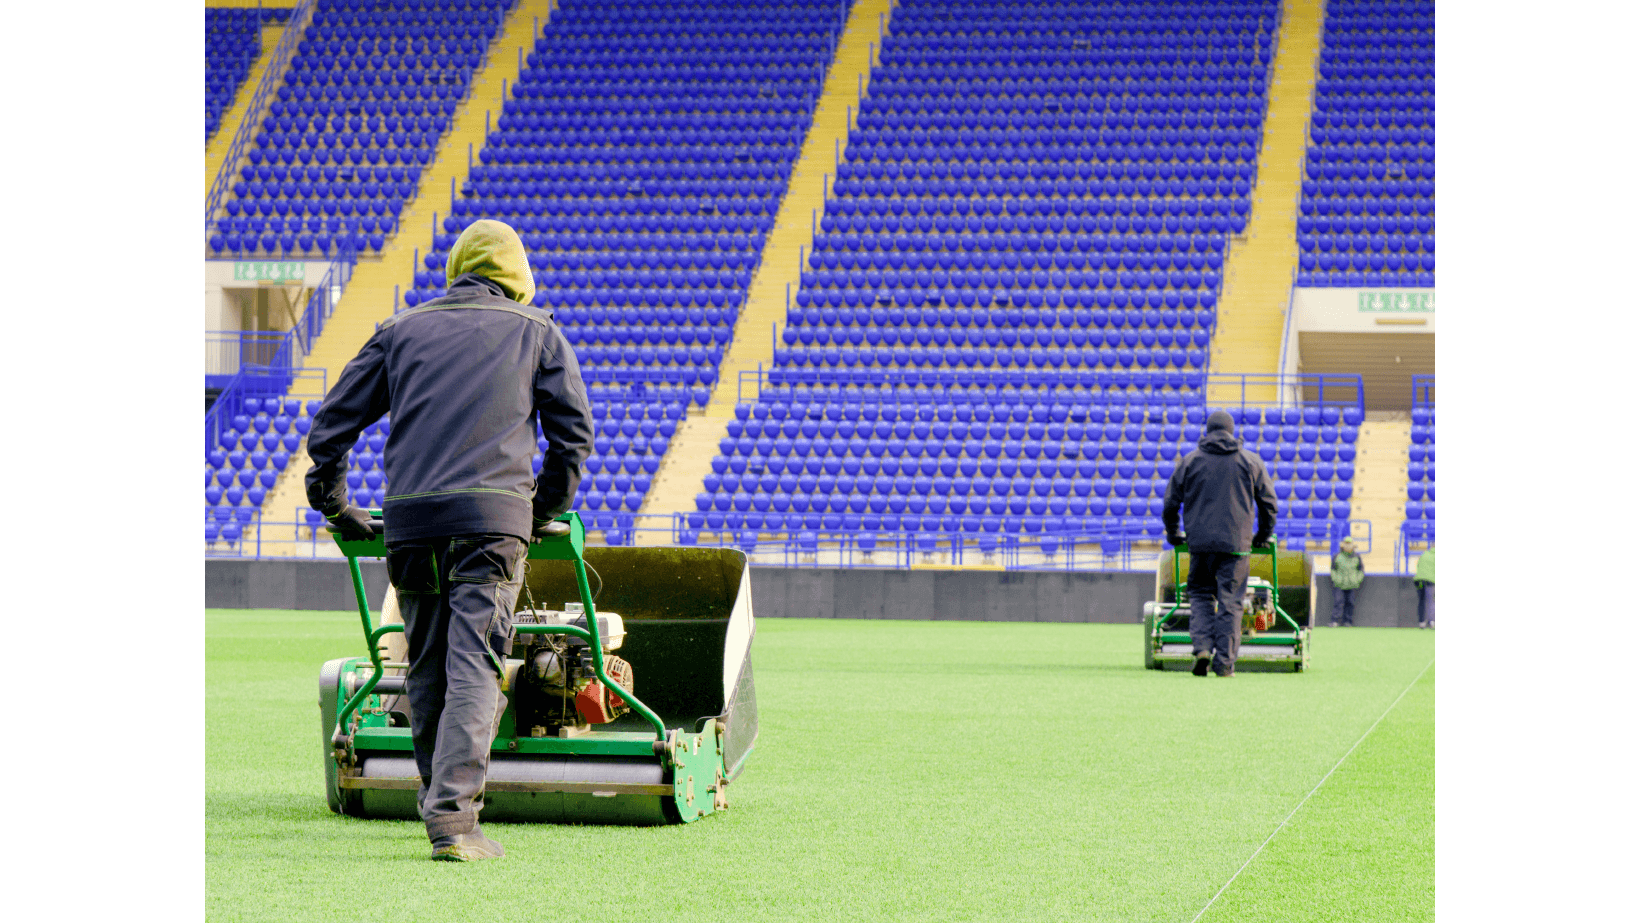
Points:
[(465, 378), (1221, 489)]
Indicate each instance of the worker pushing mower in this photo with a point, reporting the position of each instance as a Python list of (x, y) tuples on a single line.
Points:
[(465, 377), (1221, 488)]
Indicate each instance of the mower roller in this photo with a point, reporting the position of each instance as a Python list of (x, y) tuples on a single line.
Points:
[(1275, 625), (653, 734)]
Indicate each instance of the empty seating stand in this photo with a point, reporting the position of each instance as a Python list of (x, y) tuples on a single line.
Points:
[(958, 469), (233, 40), (1367, 217), (642, 157), (1004, 322), (246, 461), (367, 96)]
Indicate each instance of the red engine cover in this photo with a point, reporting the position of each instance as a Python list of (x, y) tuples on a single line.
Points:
[(598, 705)]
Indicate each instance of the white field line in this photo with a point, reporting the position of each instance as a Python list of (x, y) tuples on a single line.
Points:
[(1312, 791)]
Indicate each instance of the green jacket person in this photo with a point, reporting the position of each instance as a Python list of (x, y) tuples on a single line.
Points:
[(1347, 574)]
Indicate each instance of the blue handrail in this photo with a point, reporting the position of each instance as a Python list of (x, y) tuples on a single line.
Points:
[(1423, 390), (1324, 383), (1331, 389), (271, 79), (1412, 532)]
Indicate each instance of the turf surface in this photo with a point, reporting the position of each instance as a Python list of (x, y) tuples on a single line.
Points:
[(905, 770)]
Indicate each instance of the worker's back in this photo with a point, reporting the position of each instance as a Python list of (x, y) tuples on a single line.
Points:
[(461, 375), (1220, 488), (464, 377)]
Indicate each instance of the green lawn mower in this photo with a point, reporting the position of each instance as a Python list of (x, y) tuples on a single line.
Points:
[(640, 712), (1276, 613)]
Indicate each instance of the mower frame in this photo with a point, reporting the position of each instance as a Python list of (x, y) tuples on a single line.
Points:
[(1157, 615), (358, 726)]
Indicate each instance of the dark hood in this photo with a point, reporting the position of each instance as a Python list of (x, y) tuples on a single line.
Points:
[(1219, 442), (1219, 435)]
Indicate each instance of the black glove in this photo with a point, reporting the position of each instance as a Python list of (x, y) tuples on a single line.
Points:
[(353, 525), (1259, 541), (548, 528), (1175, 538)]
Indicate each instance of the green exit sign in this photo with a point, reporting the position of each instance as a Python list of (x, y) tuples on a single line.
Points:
[(1397, 302), (266, 271)]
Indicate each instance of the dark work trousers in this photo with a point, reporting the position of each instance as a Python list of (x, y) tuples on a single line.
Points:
[(1344, 605), (1426, 601), (457, 595), (1216, 584)]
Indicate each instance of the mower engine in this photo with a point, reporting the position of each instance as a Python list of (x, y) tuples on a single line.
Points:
[(1258, 608), (556, 691)]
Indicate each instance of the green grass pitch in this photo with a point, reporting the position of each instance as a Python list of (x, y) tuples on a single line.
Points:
[(905, 771)]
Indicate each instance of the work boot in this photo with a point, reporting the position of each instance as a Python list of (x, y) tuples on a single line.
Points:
[(1203, 658), (466, 847)]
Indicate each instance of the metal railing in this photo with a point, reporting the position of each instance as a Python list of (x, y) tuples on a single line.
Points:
[(303, 535), (1126, 544), (1332, 390), (228, 351), (1412, 540), (1327, 388), (1423, 390), (1336, 530), (271, 79)]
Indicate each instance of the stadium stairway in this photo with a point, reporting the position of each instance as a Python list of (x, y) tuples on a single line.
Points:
[(217, 149), (1259, 268), (369, 298), (1380, 483), (696, 442)]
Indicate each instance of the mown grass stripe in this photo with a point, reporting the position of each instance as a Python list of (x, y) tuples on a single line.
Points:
[(1312, 791)]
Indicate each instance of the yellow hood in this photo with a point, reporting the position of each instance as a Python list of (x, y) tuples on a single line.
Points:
[(492, 249)]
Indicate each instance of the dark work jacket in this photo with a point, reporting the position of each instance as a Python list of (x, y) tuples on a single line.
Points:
[(464, 377), (1221, 487)]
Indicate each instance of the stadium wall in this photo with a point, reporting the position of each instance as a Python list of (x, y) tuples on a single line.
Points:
[(1384, 601), (827, 593)]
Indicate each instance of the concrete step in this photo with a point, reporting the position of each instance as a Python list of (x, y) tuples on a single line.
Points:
[(1380, 486), (1259, 269)]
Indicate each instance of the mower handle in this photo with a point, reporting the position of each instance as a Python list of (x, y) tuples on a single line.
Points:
[(377, 524), (1269, 548)]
